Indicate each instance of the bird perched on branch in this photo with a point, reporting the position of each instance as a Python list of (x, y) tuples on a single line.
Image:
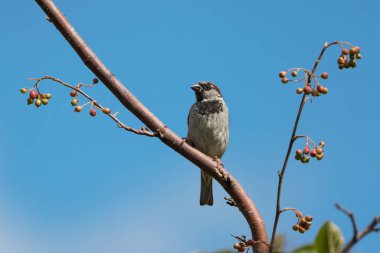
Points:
[(208, 123)]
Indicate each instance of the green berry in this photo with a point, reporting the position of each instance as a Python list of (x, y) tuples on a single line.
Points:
[(30, 101), (24, 90), (74, 102), (38, 103), (44, 101), (299, 91)]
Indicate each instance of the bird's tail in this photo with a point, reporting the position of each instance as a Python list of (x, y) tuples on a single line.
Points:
[(206, 189)]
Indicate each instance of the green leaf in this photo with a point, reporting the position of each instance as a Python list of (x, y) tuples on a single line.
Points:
[(329, 239), (305, 249)]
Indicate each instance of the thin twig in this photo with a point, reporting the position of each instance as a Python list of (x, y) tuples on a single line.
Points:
[(141, 131), (357, 236), (351, 216), (291, 142)]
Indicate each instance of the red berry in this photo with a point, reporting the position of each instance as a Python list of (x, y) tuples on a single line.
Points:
[(295, 227), (73, 93), (320, 88), (241, 249), (33, 94), (325, 75), (325, 90), (306, 150), (299, 152), (93, 112), (251, 242), (345, 51), (307, 89), (95, 81), (301, 230), (313, 153)]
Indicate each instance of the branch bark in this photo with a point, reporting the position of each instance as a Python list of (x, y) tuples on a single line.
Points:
[(166, 135)]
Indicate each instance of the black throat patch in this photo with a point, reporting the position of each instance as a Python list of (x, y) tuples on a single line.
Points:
[(209, 107)]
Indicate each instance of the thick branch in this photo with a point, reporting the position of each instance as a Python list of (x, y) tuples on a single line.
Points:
[(167, 136), (357, 236)]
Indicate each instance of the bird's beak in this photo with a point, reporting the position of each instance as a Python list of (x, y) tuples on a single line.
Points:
[(196, 88)]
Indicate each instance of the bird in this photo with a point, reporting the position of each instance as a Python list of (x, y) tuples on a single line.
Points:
[(208, 130)]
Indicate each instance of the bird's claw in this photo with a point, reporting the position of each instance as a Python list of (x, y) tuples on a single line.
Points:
[(220, 171)]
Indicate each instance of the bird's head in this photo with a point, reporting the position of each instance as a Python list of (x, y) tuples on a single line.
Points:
[(206, 91)]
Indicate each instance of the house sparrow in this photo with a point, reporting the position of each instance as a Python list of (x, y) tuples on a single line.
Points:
[(208, 123)]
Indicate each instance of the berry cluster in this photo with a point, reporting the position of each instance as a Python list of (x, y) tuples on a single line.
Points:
[(36, 97), (315, 91), (39, 98), (348, 57), (303, 223), (244, 245), (304, 155)]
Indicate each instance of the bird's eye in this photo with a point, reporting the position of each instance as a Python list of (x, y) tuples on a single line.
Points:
[(207, 86)]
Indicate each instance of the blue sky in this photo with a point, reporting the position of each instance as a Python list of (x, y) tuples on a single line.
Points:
[(71, 183)]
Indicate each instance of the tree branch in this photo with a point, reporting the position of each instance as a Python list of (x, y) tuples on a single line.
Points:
[(357, 236), (166, 135)]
